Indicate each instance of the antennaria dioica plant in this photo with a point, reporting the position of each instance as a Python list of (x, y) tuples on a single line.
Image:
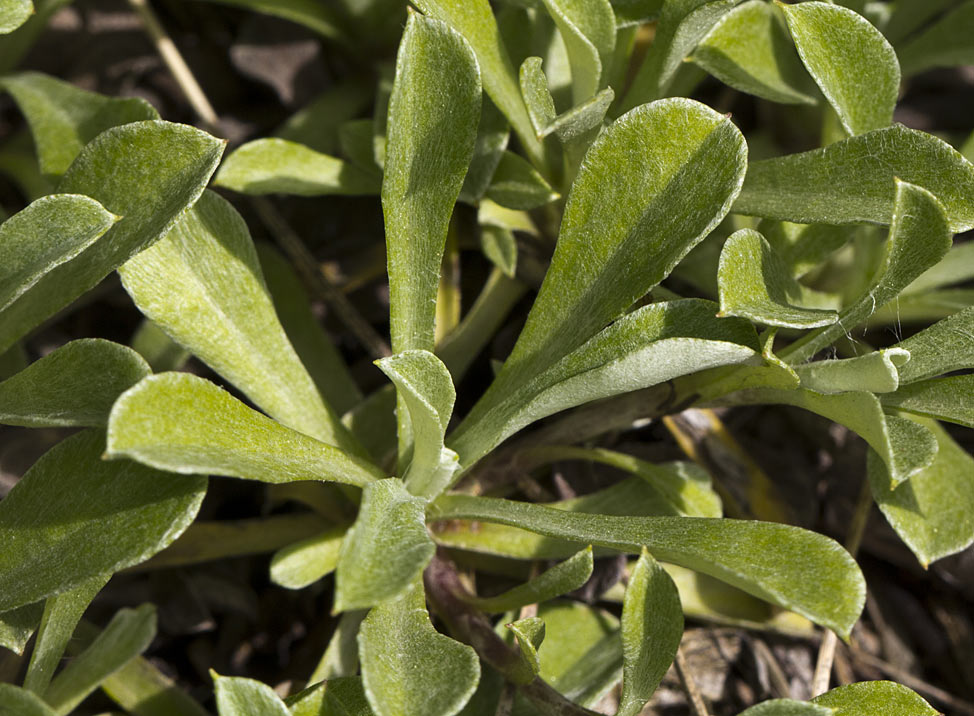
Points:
[(567, 129)]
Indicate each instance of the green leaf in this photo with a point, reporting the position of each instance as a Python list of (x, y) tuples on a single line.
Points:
[(141, 689), (280, 166), (803, 247), (15, 701), (127, 635), (933, 512), (410, 668), (876, 372), (343, 696), (426, 388), (13, 14), (787, 707), (635, 12), (385, 550), (322, 19), (62, 612), (537, 97), (203, 285), (319, 355), (433, 116), (182, 423), (517, 185), (560, 579), (754, 283), (749, 49), (475, 20), (493, 134), (946, 43), (919, 237), (589, 33), (868, 698), (682, 24), (74, 516), (950, 399), (303, 563), (854, 180), (18, 625), (64, 118), (850, 60), (74, 385), (943, 347), (793, 568), (160, 351), (529, 633), (35, 243), (956, 267), (577, 122), (652, 626), (500, 248), (237, 696)]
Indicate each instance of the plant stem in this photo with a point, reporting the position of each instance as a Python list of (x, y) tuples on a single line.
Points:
[(686, 678)]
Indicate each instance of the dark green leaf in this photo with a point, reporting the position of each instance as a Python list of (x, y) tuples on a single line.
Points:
[(943, 347), (303, 563), (492, 137), (18, 625), (529, 633), (946, 43), (580, 120), (950, 399), (323, 19), (516, 185), (343, 696), (560, 579), (15, 701)]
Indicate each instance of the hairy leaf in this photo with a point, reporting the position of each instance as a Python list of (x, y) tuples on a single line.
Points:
[(304, 563), (74, 385), (410, 668), (385, 550), (203, 285), (589, 33), (323, 19), (950, 399), (868, 698), (943, 347), (560, 579), (946, 43), (18, 625), (517, 185), (182, 423), (853, 64), (793, 568), (341, 696), (537, 97), (853, 180), (652, 626), (74, 516), (577, 122), (280, 166), (529, 633), (13, 14), (492, 137), (237, 696), (787, 707), (876, 372), (20, 702)]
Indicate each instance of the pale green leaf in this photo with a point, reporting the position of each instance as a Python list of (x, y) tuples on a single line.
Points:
[(74, 516), (956, 267), (15, 701), (589, 32), (140, 688), (652, 626), (581, 119), (853, 64), (237, 696), (876, 372), (787, 707), (13, 14), (203, 285), (342, 696), (529, 633), (852, 180), (280, 166), (323, 19), (62, 612), (919, 237), (410, 668), (385, 550), (950, 399), (63, 118), (433, 117), (160, 351), (560, 579), (537, 97), (18, 625), (303, 563), (74, 385), (517, 185), (793, 568), (749, 49), (682, 24), (869, 698), (500, 248), (426, 388), (754, 283), (475, 20), (946, 43), (48, 233), (933, 511), (803, 247), (182, 423), (945, 346), (127, 635), (319, 355)]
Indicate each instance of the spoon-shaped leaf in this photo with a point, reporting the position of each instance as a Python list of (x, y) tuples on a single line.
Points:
[(74, 385), (279, 166), (945, 346), (182, 423), (749, 50), (426, 388), (74, 516), (127, 635), (854, 180), (950, 399), (529, 633), (589, 32), (851, 61), (560, 579), (410, 668), (537, 97), (203, 285), (933, 512), (432, 126), (868, 698), (946, 43), (63, 118), (876, 372), (791, 567), (754, 283), (237, 696), (652, 626), (305, 562), (21, 702), (517, 185), (13, 14), (385, 550)]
